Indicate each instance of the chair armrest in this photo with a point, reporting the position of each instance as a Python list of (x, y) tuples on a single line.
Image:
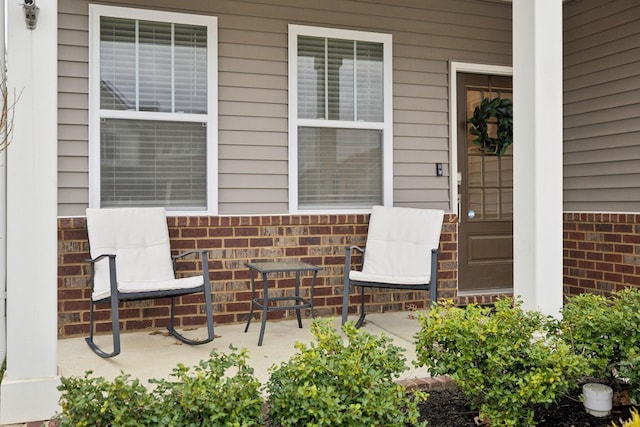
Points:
[(112, 272), (354, 247), (347, 268), (203, 258), (183, 254), (347, 260), (99, 257)]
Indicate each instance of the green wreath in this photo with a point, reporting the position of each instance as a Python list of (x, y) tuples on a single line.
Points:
[(502, 110)]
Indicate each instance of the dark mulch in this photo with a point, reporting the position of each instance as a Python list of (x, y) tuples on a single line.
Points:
[(449, 409)]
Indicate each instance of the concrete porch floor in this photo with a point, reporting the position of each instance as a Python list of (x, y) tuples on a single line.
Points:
[(147, 355)]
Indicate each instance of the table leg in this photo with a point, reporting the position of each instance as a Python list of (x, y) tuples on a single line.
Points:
[(297, 300), (253, 296), (265, 305), (313, 282)]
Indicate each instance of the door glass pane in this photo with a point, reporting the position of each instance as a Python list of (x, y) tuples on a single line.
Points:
[(153, 163), (491, 203), (491, 169), (339, 168), (507, 203), (474, 98), (475, 171), (506, 168), (475, 204)]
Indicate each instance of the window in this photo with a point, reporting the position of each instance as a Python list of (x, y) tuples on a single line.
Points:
[(152, 109), (340, 113)]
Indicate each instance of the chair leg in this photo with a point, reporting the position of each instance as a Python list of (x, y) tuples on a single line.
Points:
[(360, 321), (115, 330), (433, 286), (172, 330), (206, 288)]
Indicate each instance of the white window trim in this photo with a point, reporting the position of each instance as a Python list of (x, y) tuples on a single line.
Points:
[(294, 122), (211, 118)]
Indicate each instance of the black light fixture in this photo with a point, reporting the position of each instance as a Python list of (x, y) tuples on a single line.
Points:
[(30, 13)]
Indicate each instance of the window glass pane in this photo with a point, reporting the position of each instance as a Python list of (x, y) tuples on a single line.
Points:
[(369, 78), (340, 78), (153, 163), (311, 77), (117, 64), (353, 74), (154, 50), (170, 62), (339, 168), (190, 69)]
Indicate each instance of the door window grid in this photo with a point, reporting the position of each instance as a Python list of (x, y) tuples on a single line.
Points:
[(490, 178)]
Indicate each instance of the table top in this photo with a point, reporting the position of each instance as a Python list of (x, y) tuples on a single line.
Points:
[(281, 266)]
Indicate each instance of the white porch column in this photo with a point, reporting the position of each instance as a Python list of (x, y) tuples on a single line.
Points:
[(28, 391), (537, 149)]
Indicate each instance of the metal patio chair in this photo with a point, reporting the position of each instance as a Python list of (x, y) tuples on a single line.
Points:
[(131, 260), (401, 253)]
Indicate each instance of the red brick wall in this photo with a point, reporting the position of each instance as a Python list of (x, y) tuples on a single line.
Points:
[(601, 252), (231, 241)]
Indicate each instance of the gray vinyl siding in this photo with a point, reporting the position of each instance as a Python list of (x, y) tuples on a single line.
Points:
[(602, 106), (252, 92), (73, 130)]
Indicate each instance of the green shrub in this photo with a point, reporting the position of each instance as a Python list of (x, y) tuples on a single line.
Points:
[(221, 391), (505, 360), (607, 332), (206, 395), (336, 384), (629, 373), (89, 401)]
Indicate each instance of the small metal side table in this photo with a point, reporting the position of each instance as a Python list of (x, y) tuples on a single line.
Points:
[(299, 303)]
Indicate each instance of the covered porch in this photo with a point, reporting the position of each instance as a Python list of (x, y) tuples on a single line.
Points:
[(36, 358)]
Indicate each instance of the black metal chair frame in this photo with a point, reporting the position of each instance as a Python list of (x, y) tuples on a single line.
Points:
[(431, 286), (116, 297)]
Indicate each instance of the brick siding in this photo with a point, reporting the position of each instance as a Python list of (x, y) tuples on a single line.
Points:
[(601, 252), (232, 241), (601, 255)]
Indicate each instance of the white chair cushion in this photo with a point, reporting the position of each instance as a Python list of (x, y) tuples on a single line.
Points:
[(399, 244), (139, 238), (149, 286)]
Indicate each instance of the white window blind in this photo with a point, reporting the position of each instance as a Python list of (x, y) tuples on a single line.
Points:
[(339, 167), (154, 114), (341, 122), (153, 163)]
